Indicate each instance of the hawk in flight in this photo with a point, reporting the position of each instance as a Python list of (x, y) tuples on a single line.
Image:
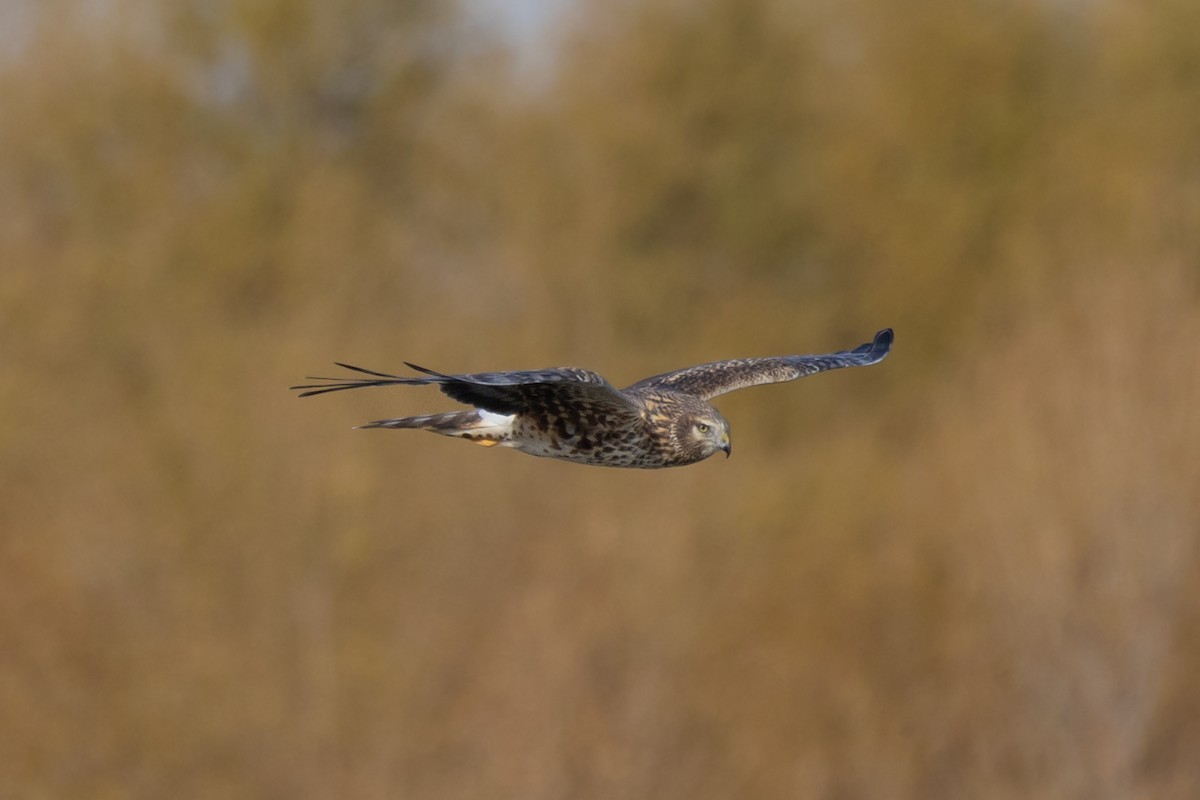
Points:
[(576, 415)]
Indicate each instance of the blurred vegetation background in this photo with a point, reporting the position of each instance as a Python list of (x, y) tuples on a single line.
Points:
[(970, 571)]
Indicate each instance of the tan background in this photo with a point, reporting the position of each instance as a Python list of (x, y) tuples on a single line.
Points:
[(968, 572)]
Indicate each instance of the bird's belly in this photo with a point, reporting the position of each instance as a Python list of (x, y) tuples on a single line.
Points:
[(616, 449)]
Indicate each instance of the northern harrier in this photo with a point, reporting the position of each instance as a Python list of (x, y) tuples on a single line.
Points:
[(576, 415)]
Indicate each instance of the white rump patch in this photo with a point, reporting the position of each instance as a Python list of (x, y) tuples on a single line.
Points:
[(494, 424)]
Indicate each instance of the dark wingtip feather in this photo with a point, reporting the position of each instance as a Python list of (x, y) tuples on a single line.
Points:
[(877, 348), (363, 370), (314, 389), (425, 370), (342, 383), (321, 388)]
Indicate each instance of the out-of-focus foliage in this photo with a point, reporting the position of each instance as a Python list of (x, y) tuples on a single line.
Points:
[(969, 571)]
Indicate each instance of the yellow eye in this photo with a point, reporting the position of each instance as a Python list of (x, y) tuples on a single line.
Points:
[(702, 427)]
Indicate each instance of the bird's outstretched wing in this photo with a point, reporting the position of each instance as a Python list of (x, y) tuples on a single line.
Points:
[(567, 392), (709, 380)]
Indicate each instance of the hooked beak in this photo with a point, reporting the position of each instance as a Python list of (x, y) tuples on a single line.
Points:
[(726, 446)]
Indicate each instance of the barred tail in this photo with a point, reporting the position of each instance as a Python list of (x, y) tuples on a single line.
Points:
[(477, 426), (438, 423)]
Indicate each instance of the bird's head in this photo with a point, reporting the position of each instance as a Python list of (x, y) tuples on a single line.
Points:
[(705, 433)]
